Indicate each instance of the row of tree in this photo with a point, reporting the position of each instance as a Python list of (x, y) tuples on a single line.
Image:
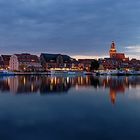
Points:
[(94, 65)]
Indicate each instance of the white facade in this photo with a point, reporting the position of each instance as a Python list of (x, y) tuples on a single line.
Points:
[(13, 63), (21, 62)]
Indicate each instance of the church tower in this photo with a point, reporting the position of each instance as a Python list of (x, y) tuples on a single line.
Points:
[(112, 51)]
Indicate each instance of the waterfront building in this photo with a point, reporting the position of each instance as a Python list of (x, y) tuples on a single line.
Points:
[(113, 64), (49, 61), (114, 54), (116, 60), (1, 63), (25, 62), (85, 64), (5, 59), (134, 64), (109, 63), (112, 51)]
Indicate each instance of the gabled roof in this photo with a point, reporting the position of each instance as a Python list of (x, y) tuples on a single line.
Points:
[(49, 57), (24, 57), (6, 57)]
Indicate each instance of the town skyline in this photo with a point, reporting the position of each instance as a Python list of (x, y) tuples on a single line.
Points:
[(76, 56), (26, 62), (69, 69)]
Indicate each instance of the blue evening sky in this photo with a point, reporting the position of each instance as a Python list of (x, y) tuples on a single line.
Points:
[(75, 27)]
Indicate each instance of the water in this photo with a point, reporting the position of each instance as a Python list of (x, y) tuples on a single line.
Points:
[(69, 108)]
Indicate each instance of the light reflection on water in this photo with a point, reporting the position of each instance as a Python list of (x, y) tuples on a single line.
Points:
[(80, 108), (61, 85)]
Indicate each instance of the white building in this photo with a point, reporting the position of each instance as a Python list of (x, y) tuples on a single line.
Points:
[(24, 62)]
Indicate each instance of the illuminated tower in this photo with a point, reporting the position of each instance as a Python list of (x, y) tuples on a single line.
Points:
[(112, 51)]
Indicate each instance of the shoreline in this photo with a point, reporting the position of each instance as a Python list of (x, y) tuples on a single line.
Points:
[(67, 74)]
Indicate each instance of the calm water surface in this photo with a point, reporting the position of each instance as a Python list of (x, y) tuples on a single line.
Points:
[(69, 108)]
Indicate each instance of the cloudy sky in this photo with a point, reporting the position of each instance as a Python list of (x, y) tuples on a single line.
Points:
[(75, 27)]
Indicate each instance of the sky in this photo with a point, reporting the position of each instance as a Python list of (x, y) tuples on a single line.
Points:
[(79, 28)]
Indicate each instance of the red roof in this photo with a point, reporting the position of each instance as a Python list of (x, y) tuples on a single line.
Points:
[(27, 58), (120, 56)]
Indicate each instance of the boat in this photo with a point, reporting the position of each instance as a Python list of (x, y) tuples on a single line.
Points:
[(65, 72), (6, 73), (88, 73), (110, 72), (121, 73), (57, 72), (118, 72), (71, 72), (137, 72), (133, 72)]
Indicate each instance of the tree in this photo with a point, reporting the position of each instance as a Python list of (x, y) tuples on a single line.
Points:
[(94, 65)]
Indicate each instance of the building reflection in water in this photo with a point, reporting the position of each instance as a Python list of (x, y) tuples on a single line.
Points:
[(59, 85)]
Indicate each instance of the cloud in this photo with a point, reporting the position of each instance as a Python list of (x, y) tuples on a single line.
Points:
[(76, 27), (133, 51)]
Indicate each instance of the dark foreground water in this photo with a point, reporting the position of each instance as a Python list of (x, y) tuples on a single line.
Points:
[(69, 108)]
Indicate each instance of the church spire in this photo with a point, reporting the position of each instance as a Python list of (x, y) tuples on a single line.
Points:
[(113, 45), (112, 51)]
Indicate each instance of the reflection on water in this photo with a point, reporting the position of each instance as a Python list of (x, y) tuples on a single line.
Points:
[(60, 85), (86, 111)]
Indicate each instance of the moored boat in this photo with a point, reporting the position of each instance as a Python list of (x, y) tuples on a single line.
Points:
[(65, 72), (6, 73)]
